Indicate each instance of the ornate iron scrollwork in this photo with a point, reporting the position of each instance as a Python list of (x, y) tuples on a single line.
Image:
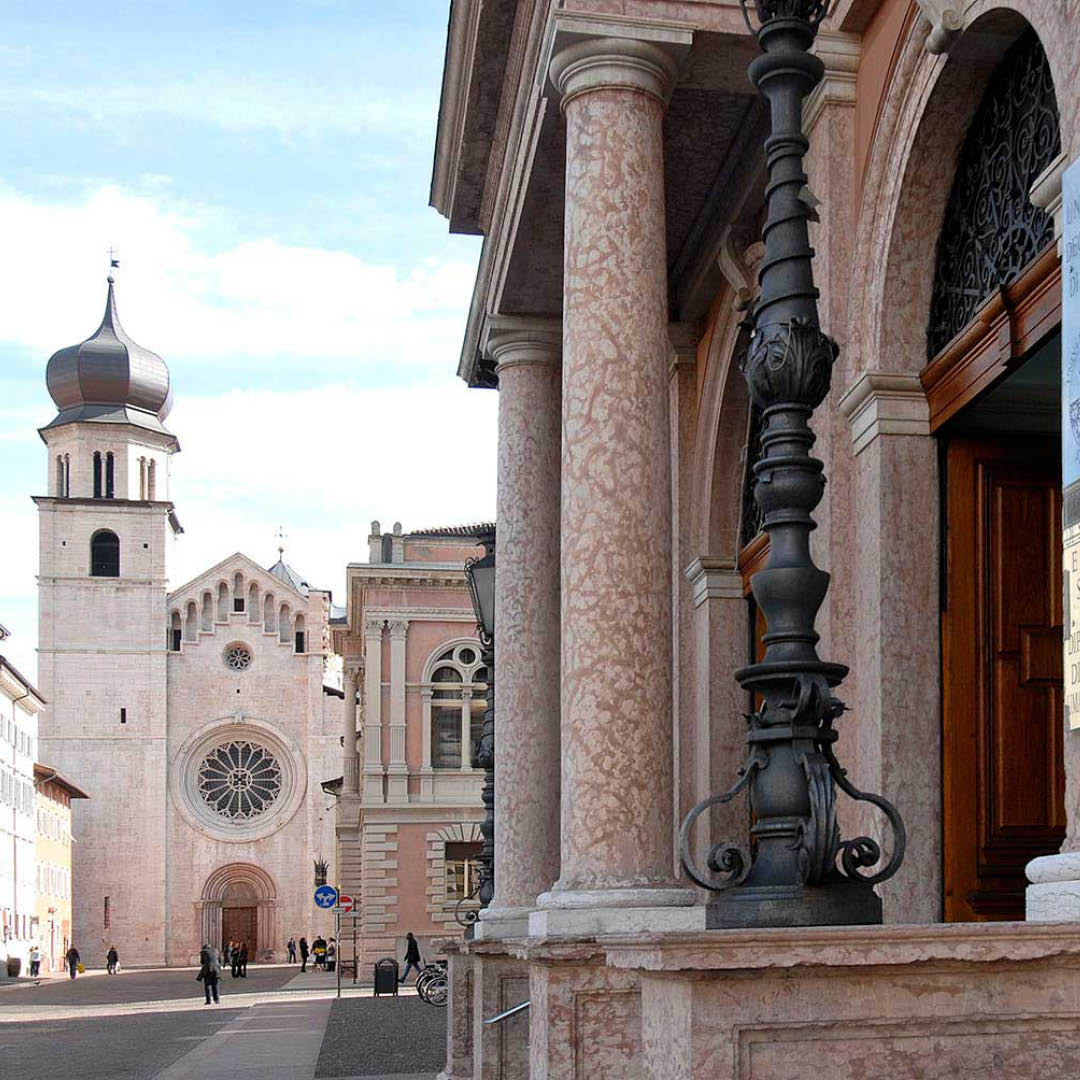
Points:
[(991, 230)]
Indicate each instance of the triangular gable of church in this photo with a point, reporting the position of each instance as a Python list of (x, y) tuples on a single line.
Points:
[(223, 571)]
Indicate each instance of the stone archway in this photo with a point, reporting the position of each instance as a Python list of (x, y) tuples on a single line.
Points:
[(240, 887), (919, 132)]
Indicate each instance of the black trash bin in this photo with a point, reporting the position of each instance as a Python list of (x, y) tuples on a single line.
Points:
[(386, 976)]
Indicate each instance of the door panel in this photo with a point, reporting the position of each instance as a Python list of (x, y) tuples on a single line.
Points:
[(1002, 671), (238, 924)]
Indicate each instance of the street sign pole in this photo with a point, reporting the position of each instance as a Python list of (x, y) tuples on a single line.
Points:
[(337, 947)]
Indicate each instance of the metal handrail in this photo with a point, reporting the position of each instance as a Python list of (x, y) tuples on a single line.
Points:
[(512, 1011)]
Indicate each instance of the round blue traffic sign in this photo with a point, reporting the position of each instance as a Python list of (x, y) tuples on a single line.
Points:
[(326, 896)]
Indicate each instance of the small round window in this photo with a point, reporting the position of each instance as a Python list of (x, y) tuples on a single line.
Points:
[(467, 656), (238, 657)]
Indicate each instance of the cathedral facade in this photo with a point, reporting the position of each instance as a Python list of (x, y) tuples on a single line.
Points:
[(197, 718)]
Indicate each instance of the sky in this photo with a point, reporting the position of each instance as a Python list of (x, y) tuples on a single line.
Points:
[(262, 169)]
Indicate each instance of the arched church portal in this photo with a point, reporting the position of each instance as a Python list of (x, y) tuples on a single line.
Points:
[(239, 904)]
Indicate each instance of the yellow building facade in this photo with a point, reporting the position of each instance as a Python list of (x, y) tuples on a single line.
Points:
[(54, 794)]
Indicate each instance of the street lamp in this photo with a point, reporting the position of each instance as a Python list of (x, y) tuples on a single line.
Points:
[(790, 876), (321, 870), (480, 574)]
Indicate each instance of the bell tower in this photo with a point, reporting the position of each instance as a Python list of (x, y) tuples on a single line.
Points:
[(105, 527)]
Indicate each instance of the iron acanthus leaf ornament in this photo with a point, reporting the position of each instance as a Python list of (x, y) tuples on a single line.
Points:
[(789, 362)]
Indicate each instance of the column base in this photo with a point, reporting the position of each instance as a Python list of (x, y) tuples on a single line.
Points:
[(592, 912), (847, 903), (496, 924), (1054, 892)]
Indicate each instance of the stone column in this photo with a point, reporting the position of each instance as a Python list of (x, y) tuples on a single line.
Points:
[(350, 757), (397, 771), (527, 356), (616, 812), (373, 766)]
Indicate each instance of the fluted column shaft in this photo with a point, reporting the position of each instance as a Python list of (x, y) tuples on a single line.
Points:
[(616, 531), (350, 755), (527, 357)]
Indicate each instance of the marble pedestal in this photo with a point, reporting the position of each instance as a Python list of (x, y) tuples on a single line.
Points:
[(1054, 892), (939, 1002), (459, 1020)]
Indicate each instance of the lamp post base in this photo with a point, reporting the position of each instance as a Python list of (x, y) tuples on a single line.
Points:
[(840, 903)]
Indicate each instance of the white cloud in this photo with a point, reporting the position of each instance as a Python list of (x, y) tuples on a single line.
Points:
[(322, 463), (258, 298), (235, 104)]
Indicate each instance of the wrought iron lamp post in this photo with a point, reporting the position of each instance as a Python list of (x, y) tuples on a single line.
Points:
[(790, 876), (480, 574), (321, 870)]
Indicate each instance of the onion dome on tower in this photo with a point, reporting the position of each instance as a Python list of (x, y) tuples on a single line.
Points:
[(109, 379)]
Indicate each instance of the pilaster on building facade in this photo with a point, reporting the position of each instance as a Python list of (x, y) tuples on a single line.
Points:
[(409, 838)]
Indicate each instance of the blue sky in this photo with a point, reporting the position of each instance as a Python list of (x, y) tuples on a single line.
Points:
[(263, 170)]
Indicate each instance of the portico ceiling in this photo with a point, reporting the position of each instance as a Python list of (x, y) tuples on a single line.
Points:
[(713, 167)]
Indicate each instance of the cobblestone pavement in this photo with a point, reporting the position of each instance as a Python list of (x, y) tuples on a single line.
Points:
[(153, 1025), (371, 1037)]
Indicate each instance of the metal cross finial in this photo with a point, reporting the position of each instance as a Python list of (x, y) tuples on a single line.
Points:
[(280, 534), (114, 262)]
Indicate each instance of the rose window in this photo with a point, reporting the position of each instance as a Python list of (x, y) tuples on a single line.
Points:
[(239, 780), (238, 657)]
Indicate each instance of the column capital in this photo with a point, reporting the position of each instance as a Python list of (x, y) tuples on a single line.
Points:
[(885, 403), (513, 340), (399, 628), (594, 53), (373, 628), (840, 54)]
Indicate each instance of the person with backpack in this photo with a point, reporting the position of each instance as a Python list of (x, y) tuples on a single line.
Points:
[(209, 973)]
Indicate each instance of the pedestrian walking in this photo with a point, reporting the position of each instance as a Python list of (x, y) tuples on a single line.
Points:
[(318, 949), (35, 961), (209, 973), (235, 960), (243, 960), (412, 956), (72, 959), (331, 954), (303, 954), (292, 950), (112, 958)]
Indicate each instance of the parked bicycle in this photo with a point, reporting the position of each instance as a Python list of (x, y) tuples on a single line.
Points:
[(433, 984)]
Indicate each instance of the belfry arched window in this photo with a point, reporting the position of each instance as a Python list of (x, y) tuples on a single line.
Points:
[(110, 475), (105, 554), (991, 230), (97, 474)]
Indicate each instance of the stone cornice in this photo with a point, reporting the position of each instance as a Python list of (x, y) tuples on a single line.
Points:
[(423, 614), (884, 403), (839, 53), (713, 578)]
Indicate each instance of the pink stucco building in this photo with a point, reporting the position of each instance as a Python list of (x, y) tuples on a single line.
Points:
[(409, 799)]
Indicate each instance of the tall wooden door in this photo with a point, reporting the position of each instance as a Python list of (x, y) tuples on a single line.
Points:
[(1004, 777), (239, 924)]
